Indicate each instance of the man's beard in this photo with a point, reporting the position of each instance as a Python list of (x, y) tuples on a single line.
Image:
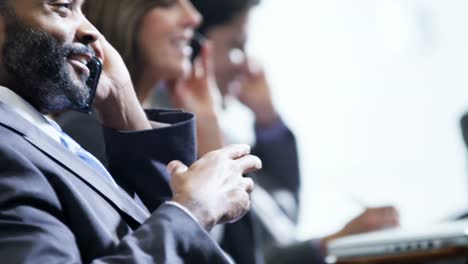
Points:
[(38, 65)]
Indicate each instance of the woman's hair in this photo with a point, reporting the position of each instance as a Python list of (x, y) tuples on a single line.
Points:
[(119, 22), (220, 12)]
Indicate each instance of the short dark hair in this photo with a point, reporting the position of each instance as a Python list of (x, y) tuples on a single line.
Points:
[(4, 7), (219, 12)]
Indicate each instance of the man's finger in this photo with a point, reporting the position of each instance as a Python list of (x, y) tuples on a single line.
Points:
[(388, 216), (393, 215), (254, 68), (176, 167), (388, 211), (249, 163), (236, 151)]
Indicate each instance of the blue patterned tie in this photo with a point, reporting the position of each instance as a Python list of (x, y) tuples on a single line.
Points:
[(84, 155)]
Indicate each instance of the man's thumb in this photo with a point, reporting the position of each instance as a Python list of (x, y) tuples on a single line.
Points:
[(176, 167)]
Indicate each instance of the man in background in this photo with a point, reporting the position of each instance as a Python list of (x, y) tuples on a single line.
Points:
[(276, 199)]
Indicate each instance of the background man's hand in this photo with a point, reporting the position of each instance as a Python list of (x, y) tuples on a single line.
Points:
[(255, 94), (371, 219), (213, 188), (199, 95)]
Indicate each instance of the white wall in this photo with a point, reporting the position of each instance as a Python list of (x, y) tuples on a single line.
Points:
[(374, 90)]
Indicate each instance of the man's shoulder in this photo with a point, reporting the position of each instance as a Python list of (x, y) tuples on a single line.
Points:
[(19, 163), (17, 149)]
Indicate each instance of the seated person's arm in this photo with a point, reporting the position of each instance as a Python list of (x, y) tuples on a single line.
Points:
[(35, 228)]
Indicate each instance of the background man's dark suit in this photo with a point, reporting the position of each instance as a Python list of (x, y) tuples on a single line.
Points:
[(280, 173), (55, 209)]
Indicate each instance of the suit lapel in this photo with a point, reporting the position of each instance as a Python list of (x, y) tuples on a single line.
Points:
[(72, 163)]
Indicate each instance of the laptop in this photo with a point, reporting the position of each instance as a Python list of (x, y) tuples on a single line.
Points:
[(400, 241)]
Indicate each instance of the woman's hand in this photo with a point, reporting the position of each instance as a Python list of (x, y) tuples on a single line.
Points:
[(199, 95)]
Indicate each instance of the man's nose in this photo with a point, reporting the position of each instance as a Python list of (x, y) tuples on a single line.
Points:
[(87, 34)]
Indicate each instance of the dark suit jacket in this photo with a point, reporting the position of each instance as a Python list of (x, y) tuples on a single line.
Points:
[(280, 172), (55, 209), (247, 241)]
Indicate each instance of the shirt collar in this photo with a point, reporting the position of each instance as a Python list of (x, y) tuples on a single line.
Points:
[(28, 112)]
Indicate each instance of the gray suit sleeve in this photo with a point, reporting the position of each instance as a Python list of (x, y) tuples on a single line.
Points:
[(33, 226), (169, 236)]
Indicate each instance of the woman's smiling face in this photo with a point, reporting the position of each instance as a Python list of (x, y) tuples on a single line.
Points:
[(164, 39)]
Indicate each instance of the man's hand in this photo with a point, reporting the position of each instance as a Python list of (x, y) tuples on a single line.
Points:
[(255, 94), (116, 103), (371, 219), (199, 95), (213, 188)]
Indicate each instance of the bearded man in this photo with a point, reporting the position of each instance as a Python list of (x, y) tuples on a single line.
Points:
[(58, 204)]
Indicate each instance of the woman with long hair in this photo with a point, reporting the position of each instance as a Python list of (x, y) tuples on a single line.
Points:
[(153, 37)]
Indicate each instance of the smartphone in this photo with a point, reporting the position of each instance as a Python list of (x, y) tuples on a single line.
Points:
[(95, 69), (197, 43)]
